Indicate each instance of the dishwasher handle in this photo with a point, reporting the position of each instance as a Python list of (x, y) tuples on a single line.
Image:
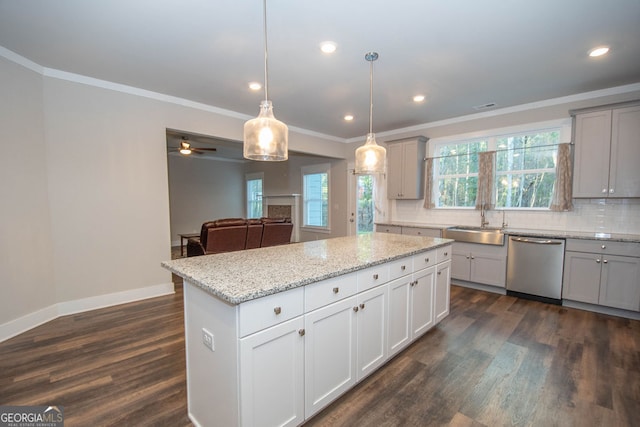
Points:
[(537, 242)]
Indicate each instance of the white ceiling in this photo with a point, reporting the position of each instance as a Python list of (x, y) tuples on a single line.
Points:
[(459, 53)]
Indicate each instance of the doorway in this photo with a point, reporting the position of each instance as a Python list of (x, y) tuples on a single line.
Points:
[(361, 202)]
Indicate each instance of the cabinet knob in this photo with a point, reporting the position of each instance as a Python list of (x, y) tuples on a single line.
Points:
[(277, 310), (604, 246), (467, 256), (426, 259), (472, 257), (598, 261), (403, 268), (446, 254), (605, 261), (336, 290), (355, 309), (439, 273), (604, 190), (362, 306), (301, 332), (611, 191), (375, 276)]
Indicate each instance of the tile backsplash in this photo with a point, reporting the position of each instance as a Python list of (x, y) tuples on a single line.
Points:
[(589, 215)]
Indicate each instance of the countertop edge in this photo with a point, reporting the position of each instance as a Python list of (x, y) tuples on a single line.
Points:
[(298, 283)]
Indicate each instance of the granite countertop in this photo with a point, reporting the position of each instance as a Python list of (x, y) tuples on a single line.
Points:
[(236, 277), (553, 234)]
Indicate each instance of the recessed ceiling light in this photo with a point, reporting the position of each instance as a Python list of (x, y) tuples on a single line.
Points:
[(255, 86), (328, 47), (348, 117), (599, 51), (418, 98)]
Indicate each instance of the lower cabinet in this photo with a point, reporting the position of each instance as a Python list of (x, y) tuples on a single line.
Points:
[(278, 360), (330, 353), (603, 273), (271, 380), (485, 264)]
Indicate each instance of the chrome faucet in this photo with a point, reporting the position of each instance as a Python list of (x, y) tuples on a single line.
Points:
[(483, 223), (504, 223)]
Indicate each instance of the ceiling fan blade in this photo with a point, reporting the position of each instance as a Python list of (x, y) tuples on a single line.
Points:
[(203, 149)]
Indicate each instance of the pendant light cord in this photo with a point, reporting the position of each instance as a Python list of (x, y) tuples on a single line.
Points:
[(370, 96), (266, 72)]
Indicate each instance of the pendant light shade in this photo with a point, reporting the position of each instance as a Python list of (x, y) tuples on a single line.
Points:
[(370, 158), (265, 137)]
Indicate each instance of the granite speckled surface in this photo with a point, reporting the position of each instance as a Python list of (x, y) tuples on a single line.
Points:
[(551, 234), (236, 277)]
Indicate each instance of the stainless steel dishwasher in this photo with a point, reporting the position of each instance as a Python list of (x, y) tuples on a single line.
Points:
[(534, 268)]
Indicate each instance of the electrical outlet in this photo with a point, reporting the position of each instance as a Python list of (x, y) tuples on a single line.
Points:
[(207, 339)]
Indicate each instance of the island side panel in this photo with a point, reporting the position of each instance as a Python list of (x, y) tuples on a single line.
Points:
[(212, 376)]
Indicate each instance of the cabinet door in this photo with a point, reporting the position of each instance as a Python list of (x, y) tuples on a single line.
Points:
[(488, 269), (620, 284), (394, 171), (399, 334), (581, 281), (460, 265), (372, 330), (422, 318), (442, 291), (271, 376), (591, 154), (330, 353), (411, 176), (624, 174)]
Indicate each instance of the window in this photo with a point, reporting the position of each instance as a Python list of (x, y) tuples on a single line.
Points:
[(315, 196), (254, 195), (524, 169)]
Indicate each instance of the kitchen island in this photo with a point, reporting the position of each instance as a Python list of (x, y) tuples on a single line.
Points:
[(275, 334)]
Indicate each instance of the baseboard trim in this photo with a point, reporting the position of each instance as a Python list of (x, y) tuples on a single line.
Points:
[(22, 324)]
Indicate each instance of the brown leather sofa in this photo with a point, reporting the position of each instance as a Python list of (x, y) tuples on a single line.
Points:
[(235, 234)]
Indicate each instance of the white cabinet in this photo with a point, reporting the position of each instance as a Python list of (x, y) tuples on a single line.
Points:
[(279, 359), (607, 149), (405, 168), (271, 376), (484, 264), (409, 230), (442, 292), (603, 273), (330, 353), (371, 314)]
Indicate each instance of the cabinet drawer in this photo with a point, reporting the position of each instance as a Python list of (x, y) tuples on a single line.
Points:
[(418, 231), (373, 276), (267, 311), (424, 260), (604, 247), (319, 294), (389, 229), (443, 253), (400, 268)]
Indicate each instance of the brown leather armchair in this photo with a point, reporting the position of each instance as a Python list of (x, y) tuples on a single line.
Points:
[(254, 233), (276, 231)]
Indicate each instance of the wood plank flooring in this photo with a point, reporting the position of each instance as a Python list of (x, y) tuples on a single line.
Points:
[(495, 361)]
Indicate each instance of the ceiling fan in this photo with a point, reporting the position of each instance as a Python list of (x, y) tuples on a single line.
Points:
[(186, 149)]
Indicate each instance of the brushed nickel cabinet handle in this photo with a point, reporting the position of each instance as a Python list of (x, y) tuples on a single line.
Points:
[(355, 309), (362, 306), (598, 261), (336, 290), (446, 254), (375, 276), (439, 273), (403, 268), (604, 246), (277, 310), (301, 332), (426, 259), (605, 261)]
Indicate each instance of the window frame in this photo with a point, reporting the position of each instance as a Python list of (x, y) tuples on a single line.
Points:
[(253, 177), (313, 170), (562, 126)]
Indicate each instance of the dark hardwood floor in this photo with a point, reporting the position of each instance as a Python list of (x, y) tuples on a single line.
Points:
[(495, 361)]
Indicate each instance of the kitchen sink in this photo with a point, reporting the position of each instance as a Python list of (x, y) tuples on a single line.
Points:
[(470, 234)]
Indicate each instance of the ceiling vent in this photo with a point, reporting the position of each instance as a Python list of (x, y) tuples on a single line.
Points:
[(485, 106)]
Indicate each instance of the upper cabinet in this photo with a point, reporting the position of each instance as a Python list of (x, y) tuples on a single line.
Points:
[(607, 153), (405, 168)]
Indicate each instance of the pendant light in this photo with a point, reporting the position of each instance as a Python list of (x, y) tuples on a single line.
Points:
[(265, 137), (370, 158)]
